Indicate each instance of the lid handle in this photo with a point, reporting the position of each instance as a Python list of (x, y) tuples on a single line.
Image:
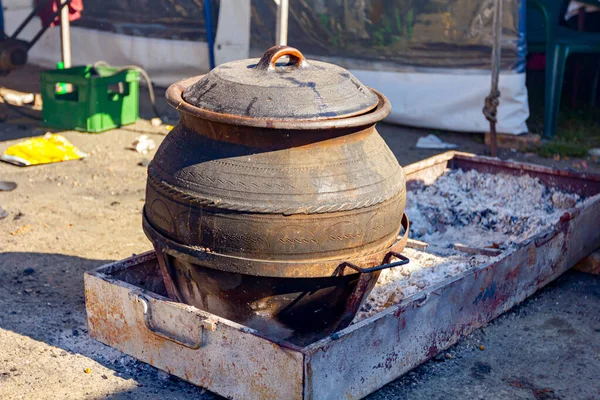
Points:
[(269, 60)]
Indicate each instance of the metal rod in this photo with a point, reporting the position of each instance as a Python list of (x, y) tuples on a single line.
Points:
[(31, 15), (65, 34), (210, 37), (1, 20), (283, 8), (490, 109)]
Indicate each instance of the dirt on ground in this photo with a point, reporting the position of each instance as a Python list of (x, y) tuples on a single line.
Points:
[(67, 218)]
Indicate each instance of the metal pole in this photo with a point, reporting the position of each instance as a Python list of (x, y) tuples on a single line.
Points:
[(1, 19), (490, 109), (210, 37), (65, 35), (283, 7)]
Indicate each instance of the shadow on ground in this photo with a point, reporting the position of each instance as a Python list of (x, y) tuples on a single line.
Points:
[(42, 298)]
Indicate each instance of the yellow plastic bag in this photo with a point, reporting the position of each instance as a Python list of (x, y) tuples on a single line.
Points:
[(50, 148)]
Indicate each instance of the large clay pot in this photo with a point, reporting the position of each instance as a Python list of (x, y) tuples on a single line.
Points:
[(274, 172)]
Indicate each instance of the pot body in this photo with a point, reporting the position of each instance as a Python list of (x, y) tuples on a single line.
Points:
[(276, 202)]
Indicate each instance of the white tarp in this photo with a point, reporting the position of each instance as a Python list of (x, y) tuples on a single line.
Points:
[(451, 101)]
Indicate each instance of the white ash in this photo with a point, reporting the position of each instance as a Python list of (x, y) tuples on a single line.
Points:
[(479, 209), (424, 270), (474, 209)]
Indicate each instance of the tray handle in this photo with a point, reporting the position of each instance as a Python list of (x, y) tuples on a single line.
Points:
[(205, 324)]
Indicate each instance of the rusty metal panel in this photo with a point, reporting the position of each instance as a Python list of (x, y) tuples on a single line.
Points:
[(405, 335), (229, 360)]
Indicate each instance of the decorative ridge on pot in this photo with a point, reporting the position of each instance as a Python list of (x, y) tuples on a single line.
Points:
[(268, 90)]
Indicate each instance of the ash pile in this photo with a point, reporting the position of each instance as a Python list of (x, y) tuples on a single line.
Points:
[(466, 209), (481, 209)]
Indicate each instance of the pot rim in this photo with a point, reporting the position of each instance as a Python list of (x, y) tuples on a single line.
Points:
[(174, 97)]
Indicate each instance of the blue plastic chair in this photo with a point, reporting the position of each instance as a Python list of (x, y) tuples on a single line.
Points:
[(545, 34)]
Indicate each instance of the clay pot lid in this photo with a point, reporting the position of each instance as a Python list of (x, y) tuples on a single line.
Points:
[(297, 90)]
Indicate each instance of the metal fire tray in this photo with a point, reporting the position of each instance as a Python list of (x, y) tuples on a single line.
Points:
[(126, 309)]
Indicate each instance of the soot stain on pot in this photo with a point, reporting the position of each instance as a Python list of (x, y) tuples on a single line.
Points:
[(196, 92), (313, 86), (328, 114), (254, 100), (298, 82)]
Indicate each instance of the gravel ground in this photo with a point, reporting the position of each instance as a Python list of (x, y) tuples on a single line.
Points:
[(67, 218)]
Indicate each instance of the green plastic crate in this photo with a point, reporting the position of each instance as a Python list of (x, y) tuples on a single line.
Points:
[(100, 99)]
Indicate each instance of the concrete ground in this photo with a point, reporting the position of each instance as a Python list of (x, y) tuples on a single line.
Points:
[(68, 218)]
